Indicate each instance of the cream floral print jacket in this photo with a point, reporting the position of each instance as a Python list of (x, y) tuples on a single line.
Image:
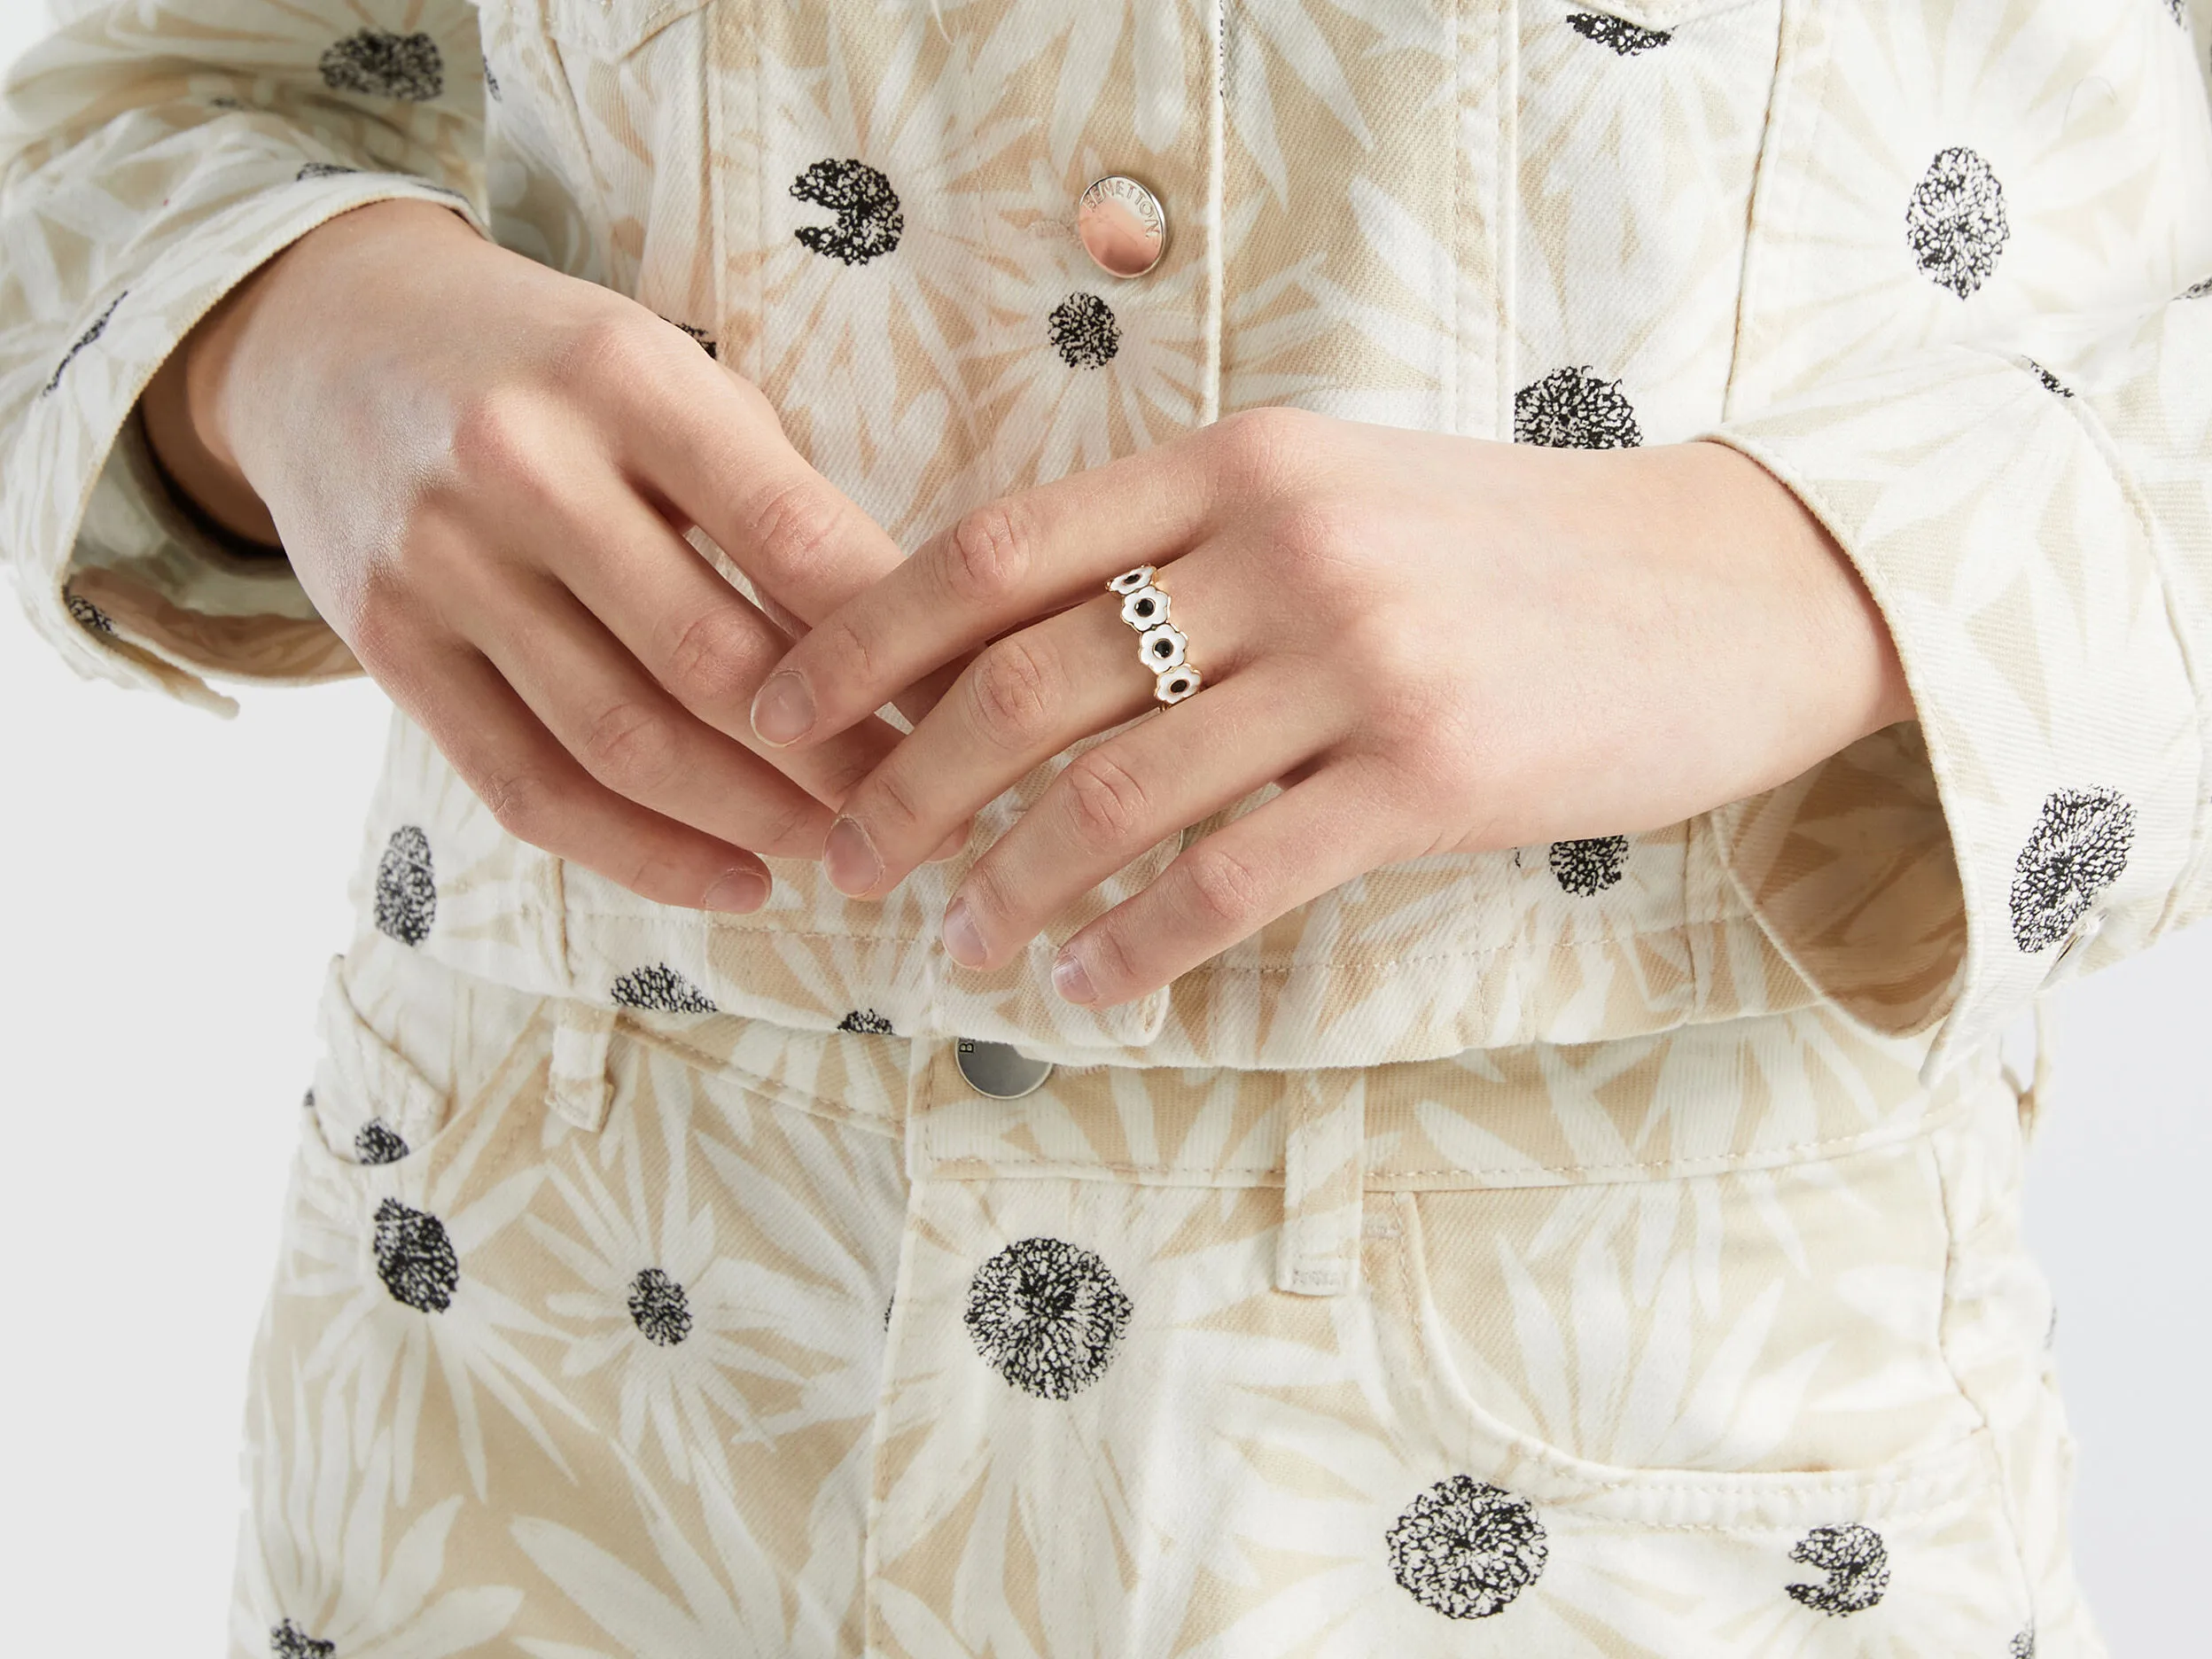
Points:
[(1944, 266)]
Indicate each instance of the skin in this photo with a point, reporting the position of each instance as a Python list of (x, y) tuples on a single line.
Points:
[(481, 470), (1436, 644)]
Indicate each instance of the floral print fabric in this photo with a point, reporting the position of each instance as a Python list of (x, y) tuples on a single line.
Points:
[(1859, 241), (1715, 1342)]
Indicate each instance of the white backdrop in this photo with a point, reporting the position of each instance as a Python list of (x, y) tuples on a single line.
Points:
[(173, 887)]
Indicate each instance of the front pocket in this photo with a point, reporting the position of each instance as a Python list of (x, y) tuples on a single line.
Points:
[(1911, 1553), (373, 1108), (1775, 1320), (370, 1106)]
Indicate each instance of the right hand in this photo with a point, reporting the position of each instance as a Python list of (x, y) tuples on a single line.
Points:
[(480, 469)]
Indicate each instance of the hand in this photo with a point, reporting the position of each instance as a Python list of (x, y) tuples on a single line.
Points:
[(1436, 644), (481, 470)]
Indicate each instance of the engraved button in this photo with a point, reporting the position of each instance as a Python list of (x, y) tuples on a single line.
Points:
[(999, 1070), (1122, 227)]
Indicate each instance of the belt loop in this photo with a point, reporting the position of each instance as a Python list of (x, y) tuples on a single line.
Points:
[(1318, 1252), (578, 1091)]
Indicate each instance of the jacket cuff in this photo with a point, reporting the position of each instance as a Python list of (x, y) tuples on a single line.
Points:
[(1943, 874), (125, 581)]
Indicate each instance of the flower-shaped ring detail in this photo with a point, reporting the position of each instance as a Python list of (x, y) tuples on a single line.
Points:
[(1163, 648)]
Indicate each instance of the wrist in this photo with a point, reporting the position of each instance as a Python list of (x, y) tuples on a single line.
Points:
[(1855, 679), (227, 376)]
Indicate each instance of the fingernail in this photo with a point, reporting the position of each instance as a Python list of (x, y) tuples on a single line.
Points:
[(738, 891), (851, 858), (952, 845), (783, 709), (1071, 981), (962, 942)]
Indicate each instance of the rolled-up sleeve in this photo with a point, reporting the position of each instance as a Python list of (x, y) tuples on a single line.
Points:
[(2038, 532), (156, 154)]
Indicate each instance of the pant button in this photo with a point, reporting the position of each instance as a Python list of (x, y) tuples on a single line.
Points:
[(999, 1070)]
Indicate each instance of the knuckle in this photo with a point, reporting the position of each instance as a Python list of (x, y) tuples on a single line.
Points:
[(602, 346), (890, 805), (714, 659), (1223, 889), (1105, 802), (844, 651), (1260, 447), (795, 525), (989, 551), (1112, 964), (523, 803), (499, 435), (984, 888), (629, 747), (376, 623), (1011, 687)]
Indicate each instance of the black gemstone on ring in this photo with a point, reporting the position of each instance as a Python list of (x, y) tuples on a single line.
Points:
[(1163, 648)]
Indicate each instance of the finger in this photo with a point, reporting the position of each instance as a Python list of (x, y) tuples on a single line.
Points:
[(698, 636), (1023, 700), (539, 794), (1002, 564), (712, 448), (1225, 888), (1113, 801), (633, 737)]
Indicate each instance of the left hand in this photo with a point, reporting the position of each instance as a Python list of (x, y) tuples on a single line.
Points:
[(1435, 643)]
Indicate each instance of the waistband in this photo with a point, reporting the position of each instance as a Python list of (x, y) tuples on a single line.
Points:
[(1697, 1101), (1703, 1099)]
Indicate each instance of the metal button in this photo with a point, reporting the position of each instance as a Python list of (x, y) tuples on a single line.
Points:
[(1123, 228), (999, 1070)]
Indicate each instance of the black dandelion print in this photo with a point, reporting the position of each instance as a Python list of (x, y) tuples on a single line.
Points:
[(1955, 223), (1047, 1316), (869, 220), (98, 327), (1572, 409), (1466, 1548), (1590, 866), (868, 1021), (1624, 38), (377, 1142), (287, 1640), (2180, 16), (491, 86), (2079, 848), (1856, 1564), (2022, 1645), (2051, 382), (87, 616), (415, 1257), (384, 64), (660, 989), (660, 1309), (1084, 332), (2199, 290), (407, 889), (322, 170)]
